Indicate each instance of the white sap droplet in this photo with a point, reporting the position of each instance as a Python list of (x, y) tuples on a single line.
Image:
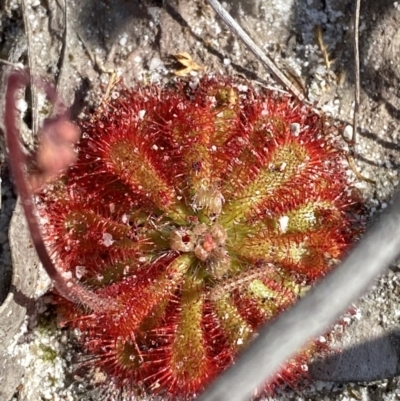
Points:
[(283, 223), (107, 239), (141, 114), (295, 129), (80, 271)]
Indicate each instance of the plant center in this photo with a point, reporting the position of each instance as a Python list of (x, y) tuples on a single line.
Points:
[(206, 243)]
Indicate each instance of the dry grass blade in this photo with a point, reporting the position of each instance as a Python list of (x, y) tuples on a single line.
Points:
[(353, 141), (14, 65), (113, 80), (319, 38), (63, 46), (265, 60), (28, 33), (353, 167), (356, 72)]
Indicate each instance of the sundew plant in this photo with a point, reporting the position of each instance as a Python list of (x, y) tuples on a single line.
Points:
[(194, 213)]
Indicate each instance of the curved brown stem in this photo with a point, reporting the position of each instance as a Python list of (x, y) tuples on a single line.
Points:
[(68, 288)]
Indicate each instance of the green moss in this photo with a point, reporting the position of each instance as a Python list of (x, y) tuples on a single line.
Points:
[(49, 354)]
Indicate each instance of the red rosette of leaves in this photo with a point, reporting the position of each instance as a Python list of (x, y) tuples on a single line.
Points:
[(203, 210)]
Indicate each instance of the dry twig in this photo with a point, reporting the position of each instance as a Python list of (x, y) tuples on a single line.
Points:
[(102, 68), (356, 72), (352, 165), (265, 60), (350, 156), (28, 33), (18, 66), (63, 47)]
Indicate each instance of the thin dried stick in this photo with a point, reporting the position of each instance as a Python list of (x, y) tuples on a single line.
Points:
[(356, 73), (102, 68), (28, 33), (265, 60), (313, 314), (64, 46), (18, 66), (350, 157), (352, 165)]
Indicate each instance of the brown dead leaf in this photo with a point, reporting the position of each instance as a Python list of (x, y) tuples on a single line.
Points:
[(188, 65)]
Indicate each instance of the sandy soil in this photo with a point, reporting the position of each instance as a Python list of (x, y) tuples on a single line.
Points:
[(80, 47)]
